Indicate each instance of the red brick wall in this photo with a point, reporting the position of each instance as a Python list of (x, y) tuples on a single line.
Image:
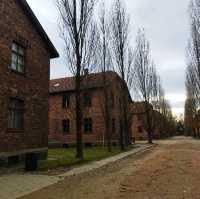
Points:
[(32, 87), (139, 124), (57, 114), (138, 129)]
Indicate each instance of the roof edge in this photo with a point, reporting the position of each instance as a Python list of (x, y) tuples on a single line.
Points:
[(29, 12)]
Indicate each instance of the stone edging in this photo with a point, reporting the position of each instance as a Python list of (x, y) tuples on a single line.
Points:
[(98, 164)]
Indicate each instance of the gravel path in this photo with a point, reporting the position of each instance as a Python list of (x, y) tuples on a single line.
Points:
[(169, 171), (16, 183)]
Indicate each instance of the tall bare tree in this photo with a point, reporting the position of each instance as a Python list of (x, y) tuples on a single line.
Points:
[(192, 101), (105, 66), (123, 60), (78, 33), (193, 66), (195, 35), (144, 77)]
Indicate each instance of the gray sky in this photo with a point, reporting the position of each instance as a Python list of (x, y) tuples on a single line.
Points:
[(167, 27)]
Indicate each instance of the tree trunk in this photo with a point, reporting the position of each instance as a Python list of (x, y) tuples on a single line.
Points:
[(108, 119), (149, 123), (122, 136), (79, 142)]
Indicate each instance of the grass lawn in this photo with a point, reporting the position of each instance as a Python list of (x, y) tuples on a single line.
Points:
[(62, 157)]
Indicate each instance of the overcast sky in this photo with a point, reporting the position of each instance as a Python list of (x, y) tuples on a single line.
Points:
[(167, 27)]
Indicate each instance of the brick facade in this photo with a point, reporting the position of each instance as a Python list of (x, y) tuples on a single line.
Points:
[(18, 24), (91, 85), (139, 124)]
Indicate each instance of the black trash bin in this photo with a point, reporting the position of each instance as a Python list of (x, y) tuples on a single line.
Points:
[(31, 162)]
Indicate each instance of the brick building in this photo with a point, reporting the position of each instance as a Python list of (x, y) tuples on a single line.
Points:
[(139, 123), (138, 126), (25, 53), (62, 108)]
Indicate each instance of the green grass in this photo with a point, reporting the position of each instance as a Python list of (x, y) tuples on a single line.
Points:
[(66, 157)]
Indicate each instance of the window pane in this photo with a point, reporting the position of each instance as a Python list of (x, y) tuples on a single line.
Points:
[(87, 99), (20, 67), (14, 57), (18, 119), (14, 47), (66, 126), (17, 58), (64, 101), (68, 101), (21, 60), (15, 114), (14, 61), (88, 125), (21, 51), (11, 119)]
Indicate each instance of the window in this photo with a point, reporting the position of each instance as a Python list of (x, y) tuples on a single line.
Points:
[(87, 99), (15, 114), (88, 125), (66, 101), (18, 58), (66, 126)]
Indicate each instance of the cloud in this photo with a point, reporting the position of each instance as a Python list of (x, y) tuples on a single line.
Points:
[(167, 27), (48, 17)]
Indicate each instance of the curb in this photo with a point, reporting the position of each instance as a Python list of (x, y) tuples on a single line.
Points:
[(98, 164)]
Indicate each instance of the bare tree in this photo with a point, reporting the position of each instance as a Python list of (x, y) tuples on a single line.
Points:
[(195, 35), (78, 32), (123, 59), (144, 77), (193, 68), (105, 66), (190, 112), (192, 101)]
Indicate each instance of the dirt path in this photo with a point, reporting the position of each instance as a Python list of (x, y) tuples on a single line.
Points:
[(170, 171)]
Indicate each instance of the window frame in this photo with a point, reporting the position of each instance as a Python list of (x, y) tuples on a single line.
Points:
[(66, 126), (17, 54), (87, 99), (13, 113), (88, 125), (65, 100)]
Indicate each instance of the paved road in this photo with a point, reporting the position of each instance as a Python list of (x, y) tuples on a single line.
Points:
[(170, 171)]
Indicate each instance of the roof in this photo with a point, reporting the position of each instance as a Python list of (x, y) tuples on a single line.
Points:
[(93, 80), (28, 11)]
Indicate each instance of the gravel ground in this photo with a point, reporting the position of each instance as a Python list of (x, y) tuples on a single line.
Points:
[(169, 171)]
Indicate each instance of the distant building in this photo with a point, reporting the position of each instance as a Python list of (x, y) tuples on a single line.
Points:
[(25, 53), (138, 124), (139, 121), (62, 109)]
